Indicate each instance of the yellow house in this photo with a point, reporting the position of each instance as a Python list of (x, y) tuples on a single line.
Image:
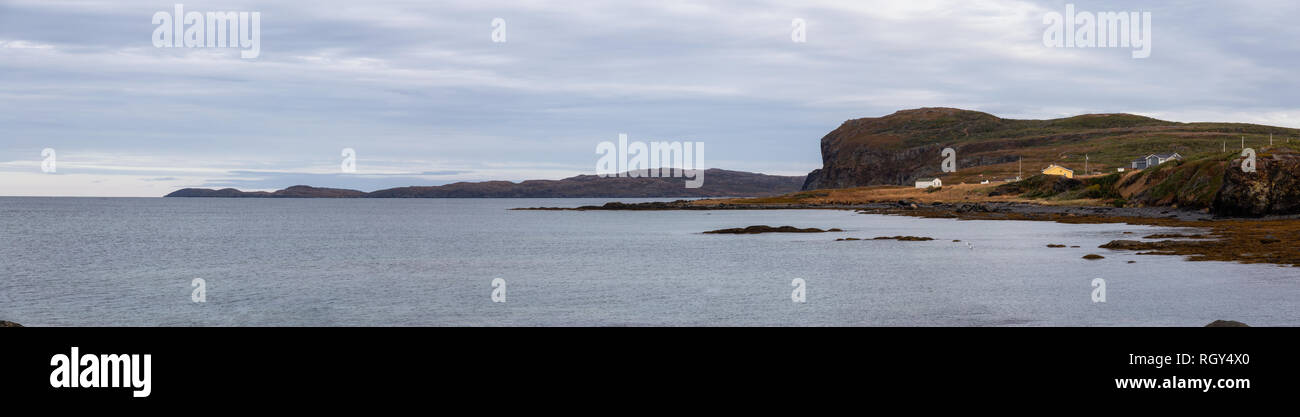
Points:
[(1055, 169)]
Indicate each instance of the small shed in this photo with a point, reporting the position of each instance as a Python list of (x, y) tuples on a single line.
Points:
[(928, 182)]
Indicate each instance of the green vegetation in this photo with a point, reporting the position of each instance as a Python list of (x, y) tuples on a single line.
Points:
[(1103, 121), (971, 126), (1189, 183), (1060, 188), (993, 147)]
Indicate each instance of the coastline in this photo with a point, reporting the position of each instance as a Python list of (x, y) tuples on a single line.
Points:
[(1269, 240)]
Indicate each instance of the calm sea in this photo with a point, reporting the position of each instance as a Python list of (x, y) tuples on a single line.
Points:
[(398, 262)]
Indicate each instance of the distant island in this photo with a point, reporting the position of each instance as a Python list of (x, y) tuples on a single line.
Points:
[(717, 183)]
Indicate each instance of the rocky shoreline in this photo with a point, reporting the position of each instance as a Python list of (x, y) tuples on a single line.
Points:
[(1271, 239), (908, 208)]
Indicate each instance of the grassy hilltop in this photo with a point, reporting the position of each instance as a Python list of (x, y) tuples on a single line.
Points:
[(898, 148)]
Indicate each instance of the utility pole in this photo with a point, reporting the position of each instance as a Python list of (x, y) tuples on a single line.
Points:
[(1085, 165), (1270, 139)]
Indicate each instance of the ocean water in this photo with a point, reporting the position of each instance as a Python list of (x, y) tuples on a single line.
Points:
[(417, 262)]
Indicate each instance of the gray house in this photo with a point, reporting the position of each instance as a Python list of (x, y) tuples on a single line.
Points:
[(1154, 159)]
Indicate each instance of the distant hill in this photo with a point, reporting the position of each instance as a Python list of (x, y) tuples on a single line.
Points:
[(717, 183), (906, 145), (297, 191)]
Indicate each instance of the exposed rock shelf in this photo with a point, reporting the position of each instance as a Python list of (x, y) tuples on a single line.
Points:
[(751, 230)]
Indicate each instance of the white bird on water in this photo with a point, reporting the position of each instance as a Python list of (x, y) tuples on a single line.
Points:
[(970, 246)]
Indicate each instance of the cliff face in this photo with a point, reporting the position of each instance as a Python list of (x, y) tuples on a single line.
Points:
[(1272, 189), (908, 144), (895, 149), (856, 166)]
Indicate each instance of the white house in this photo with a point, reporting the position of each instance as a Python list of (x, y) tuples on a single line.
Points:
[(928, 182)]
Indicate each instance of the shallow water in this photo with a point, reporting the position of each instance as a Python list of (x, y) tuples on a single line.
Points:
[(119, 262)]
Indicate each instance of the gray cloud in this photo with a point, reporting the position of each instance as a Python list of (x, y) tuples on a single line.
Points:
[(421, 87)]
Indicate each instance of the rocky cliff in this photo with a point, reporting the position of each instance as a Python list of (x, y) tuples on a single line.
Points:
[(899, 148), (1219, 184), (895, 149), (1272, 189), (1215, 183)]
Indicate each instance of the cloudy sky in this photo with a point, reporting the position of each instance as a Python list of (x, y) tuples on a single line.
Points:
[(425, 97)]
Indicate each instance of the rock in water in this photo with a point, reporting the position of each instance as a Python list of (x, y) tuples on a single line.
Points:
[(1227, 323), (905, 238), (769, 229)]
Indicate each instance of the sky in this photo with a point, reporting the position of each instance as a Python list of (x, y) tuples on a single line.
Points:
[(425, 95)]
